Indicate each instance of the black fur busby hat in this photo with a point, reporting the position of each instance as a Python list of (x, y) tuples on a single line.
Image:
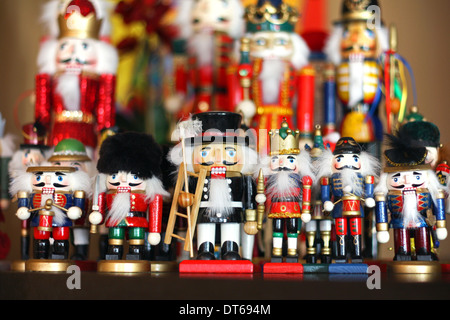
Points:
[(134, 152), (401, 156), (347, 145)]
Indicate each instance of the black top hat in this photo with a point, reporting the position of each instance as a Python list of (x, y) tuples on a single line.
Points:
[(420, 134), (133, 152), (347, 145), (220, 126)]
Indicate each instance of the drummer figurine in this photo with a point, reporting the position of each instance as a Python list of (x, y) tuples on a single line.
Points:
[(347, 177), (52, 197)]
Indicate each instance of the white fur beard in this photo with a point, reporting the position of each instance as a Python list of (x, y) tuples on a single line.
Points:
[(282, 183), (119, 209), (68, 87), (411, 216), (271, 77), (59, 216), (219, 197), (355, 81), (349, 177), (201, 45)]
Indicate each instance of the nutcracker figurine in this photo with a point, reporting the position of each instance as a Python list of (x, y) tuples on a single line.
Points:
[(289, 174), (72, 153), (209, 30), (353, 47), (410, 191), (32, 152), (347, 176), (275, 81), (228, 194), (51, 197), (75, 84), (129, 194)]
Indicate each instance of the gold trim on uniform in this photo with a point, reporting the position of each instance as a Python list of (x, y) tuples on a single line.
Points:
[(74, 116), (382, 226)]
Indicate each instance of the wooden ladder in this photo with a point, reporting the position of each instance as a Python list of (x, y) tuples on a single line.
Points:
[(191, 211)]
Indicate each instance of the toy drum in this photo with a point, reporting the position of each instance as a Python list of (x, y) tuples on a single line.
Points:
[(351, 206), (45, 220)]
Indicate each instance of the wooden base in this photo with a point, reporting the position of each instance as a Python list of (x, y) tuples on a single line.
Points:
[(282, 267), (86, 265), (164, 266), (414, 267), (47, 265), (315, 268), (353, 268), (18, 265), (123, 266), (5, 265), (216, 266)]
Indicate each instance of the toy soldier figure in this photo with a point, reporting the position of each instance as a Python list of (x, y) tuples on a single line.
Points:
[(275, 80), (209, 30), (228, 196), (347, 177), (130, 193), (409, 190), (289, 176), (75, 84), (51, 197)]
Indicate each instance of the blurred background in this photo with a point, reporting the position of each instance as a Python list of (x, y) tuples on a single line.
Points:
[(422, 26)]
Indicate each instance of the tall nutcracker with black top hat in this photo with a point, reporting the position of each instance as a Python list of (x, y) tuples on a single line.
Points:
[(75, 84), (52, 197), (128, 197), (289, 174), (347, 177), (275, 80), (354, 47), (409, 191), (228, 194)]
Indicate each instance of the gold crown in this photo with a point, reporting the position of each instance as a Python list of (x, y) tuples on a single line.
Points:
[(284, 140), (267, 17), (75, 25)]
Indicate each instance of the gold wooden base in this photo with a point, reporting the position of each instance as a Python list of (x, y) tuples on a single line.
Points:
[(47, 265), (18, 265), (417, 271), (123, 266), (164, 266)]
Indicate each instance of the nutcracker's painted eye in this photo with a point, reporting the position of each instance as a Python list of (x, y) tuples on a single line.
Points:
[(261, 42), (395, 179), (84, 45), (231, 153), (204, 153), (356, 158), (63, 45), (114, 176), (281, 42), (38, 178), (370, 33), (135, 177), (60, 178)]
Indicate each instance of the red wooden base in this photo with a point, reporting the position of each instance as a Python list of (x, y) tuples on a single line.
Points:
[(282, 267), (216, 266)]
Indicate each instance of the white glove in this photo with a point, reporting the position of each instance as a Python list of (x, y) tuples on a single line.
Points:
[(247, 108), (95, 217), (383, 236), (154, 238), (23, 213), (306, 217), (370, 202), (328, 206), (74, 213), (441, 233)]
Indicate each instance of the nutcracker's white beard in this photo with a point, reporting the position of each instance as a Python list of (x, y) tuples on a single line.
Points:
[(282, 183), (349, 177), (219, 198), (59, 216), (356, 80), (271, 76), (119, 209), (411, 215), (68, 87), (201, 46)]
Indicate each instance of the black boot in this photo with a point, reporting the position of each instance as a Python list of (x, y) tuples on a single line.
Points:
[(135, 252), (81, 252), (60, 249), (41, 249), (206, 251), (102, 246), (230, 251), (341, 246), (114, 252), (356, 254)]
